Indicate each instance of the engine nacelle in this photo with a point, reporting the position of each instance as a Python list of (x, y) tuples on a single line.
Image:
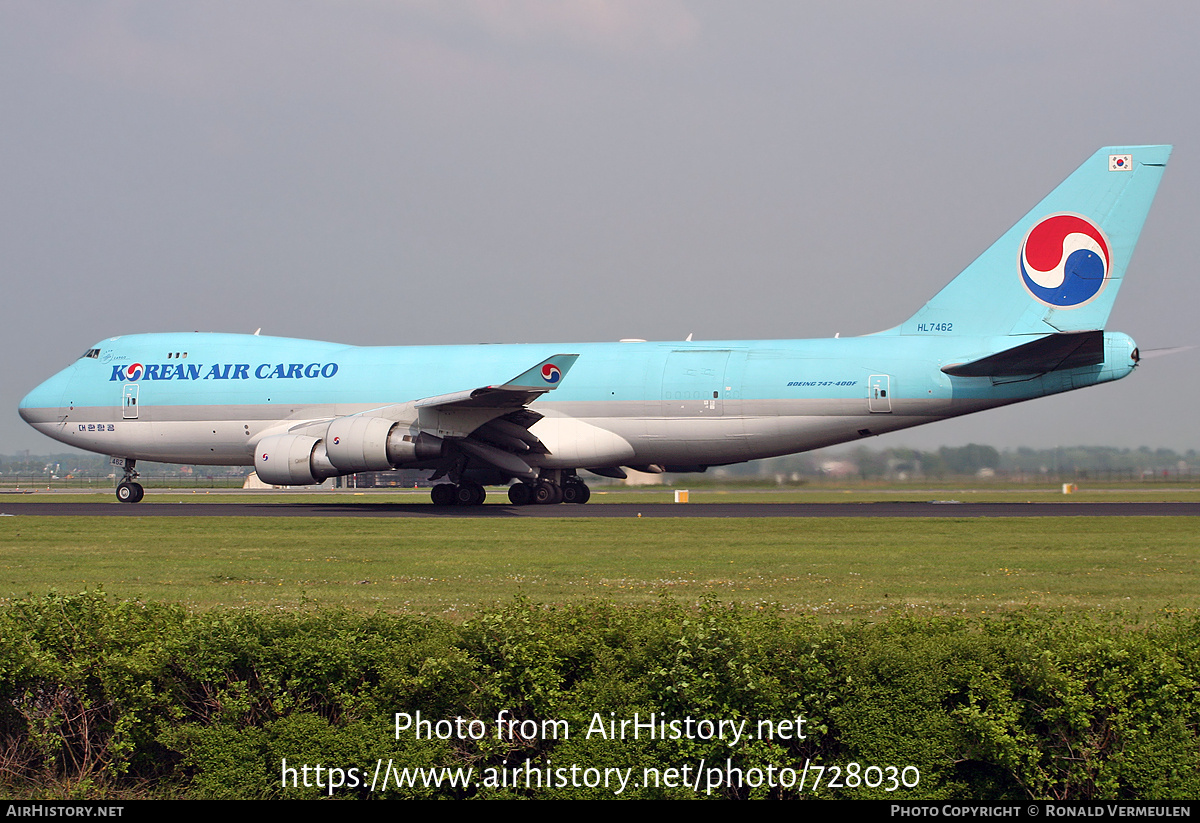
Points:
[(365, 444), (359, 444), (411, 446), (292, 460)]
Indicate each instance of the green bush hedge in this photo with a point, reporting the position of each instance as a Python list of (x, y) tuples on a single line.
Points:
[(100, 698)]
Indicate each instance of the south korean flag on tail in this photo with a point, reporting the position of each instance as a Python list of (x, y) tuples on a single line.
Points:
[(1120, 162)]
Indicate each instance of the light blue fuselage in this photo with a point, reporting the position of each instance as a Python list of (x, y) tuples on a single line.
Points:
[(208, 398)]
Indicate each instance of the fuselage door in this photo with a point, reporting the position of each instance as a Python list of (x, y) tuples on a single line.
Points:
[(879, 399), (129, 401), (694, 383)]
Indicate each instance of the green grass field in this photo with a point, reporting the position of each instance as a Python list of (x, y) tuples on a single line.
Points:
[(836, 568)]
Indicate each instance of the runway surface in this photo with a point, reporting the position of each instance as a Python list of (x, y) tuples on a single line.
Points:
[(364, 509)]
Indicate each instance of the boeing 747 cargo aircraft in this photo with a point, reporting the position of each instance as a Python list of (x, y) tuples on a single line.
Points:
[(1026, 319)]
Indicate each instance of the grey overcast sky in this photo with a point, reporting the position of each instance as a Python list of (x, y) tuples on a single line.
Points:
[(422, 171)]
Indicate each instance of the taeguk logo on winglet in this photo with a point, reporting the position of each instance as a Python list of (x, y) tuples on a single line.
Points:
[(1065, 260), (551, 373)]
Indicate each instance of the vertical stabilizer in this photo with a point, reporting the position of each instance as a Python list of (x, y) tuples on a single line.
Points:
[(1060, 267)]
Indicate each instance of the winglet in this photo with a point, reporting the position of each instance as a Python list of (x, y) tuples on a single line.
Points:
[(521, 390), (545, 375)]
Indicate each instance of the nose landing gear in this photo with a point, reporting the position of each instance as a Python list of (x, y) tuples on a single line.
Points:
[(129, 491)]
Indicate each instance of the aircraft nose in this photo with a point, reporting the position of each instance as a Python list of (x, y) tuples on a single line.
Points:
[(45, 399)]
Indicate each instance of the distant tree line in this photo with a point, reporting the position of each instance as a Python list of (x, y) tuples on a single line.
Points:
[(976, 460)]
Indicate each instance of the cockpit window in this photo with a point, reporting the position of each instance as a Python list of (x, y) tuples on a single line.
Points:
[(92, 353)]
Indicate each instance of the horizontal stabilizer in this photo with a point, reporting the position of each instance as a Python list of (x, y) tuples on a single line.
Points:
[(1067, 350)]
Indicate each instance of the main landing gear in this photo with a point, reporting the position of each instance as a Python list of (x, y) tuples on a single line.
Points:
[(519, 494), (128, 490), (543, 492), (464, 494)]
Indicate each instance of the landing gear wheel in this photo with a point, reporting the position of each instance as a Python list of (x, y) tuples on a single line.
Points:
[(443, 494), (469, 494), (547, 493), (130, 492), (520, 494), (576, 493)]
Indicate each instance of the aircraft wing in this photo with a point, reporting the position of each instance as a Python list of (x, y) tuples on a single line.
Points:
[(501, 409), (520, 391), (457, 414), (490, 423)]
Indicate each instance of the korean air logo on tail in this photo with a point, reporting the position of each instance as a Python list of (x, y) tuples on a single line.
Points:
[(551, 373), (1065, 260)]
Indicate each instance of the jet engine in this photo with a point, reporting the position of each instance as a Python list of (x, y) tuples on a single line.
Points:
[(371, 444), (350, 444), (292, 460)]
